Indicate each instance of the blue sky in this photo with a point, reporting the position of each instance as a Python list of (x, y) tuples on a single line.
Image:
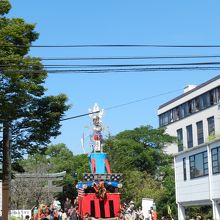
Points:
[(83, 22)]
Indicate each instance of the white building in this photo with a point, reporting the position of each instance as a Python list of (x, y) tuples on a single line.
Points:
[(194, 117)]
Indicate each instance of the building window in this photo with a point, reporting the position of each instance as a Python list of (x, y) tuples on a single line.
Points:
[(184, 168), (218, 94), (160, 121), (205, 100), (180, 139), (189, 136), (199, 103), (216, 160), (193, 105), (210, 98), (182, 111), (211, 125), (166, 118), (198, 165), (177, 113), (200, 136), (170, 116), (174, 114)]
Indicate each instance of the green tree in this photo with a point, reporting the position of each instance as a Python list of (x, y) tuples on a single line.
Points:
[(167, 194), (147, 170), (29, 117), (139, 149), (138, 185), (60, 158)]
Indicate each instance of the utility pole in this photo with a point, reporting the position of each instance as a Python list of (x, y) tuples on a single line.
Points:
[(6, 174)]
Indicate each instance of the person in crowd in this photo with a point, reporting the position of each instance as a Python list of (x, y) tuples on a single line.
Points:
[(139, 214), (153, 213), (149, 215), (35, 213), (130, 212), (75, 203), (86, 216), (51, 212), (60, 214), (72, 213), (67, 205), (64, 215), (43, 211), (56, 204), (27, 217), (55, 214), (123, 209), (55, 207)]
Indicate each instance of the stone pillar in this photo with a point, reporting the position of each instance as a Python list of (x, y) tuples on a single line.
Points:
[(215, 210), (181, 212)]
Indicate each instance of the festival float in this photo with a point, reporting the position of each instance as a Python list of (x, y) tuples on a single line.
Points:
[(98, 194)]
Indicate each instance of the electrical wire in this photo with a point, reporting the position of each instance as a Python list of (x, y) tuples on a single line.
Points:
[(116, 65), (78, 116), (101, 68), (143, 99), (131, 58), (122, 58), (112, 70), (111, 45), (123, 104)]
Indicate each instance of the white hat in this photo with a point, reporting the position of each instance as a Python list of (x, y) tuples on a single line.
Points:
[(131, 202)]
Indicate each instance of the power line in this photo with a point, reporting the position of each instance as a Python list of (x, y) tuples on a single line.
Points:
[(111, 45), (78, 116), (140, 100), (103, 65), (125, 65), (123, 104), (113, 65), (131, 57), (112, 70), (119, 58)]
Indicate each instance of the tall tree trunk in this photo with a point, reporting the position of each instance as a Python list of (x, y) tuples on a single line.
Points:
[(6, 175)]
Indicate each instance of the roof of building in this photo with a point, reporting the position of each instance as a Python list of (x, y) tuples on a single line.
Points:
[(40, 175), (192, 90)]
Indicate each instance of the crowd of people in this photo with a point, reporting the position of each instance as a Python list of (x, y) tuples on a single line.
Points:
[(129, 212), (68, 211), (55, 211)]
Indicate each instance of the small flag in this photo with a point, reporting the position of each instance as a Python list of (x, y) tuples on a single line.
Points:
[(81, 192), (82, 140)]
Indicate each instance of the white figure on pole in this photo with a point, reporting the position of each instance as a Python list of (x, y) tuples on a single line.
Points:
[(96, 117)]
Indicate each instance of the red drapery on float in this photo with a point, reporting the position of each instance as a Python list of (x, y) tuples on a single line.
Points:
[(98, 207)]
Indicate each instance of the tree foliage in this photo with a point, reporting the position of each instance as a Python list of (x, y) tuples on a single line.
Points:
[(5, 6), (34, 117), (139, 149), (147, 170), (167, 194), (29, 117), (138, 185)]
